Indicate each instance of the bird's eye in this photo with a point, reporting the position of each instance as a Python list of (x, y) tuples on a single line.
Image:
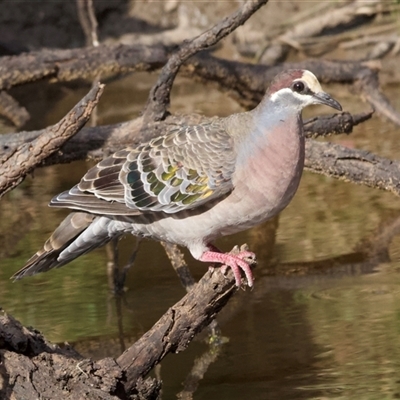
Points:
[(298, 86)]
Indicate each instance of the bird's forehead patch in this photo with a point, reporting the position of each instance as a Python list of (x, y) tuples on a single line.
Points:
[(311, 80), (284, 80)]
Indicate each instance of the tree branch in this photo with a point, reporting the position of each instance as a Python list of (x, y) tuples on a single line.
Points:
[(159, 97), (31, 154), (357, 166), (177, 327)]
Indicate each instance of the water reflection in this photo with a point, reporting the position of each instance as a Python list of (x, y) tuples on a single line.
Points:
[(321, 323), (358, 330)]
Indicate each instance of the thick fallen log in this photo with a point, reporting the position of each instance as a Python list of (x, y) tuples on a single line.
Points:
[(33, 368)]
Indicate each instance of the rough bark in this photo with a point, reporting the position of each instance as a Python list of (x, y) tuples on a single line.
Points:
[(335, 124), (33, 368), (80, 64), (357, 166), (178, 326)]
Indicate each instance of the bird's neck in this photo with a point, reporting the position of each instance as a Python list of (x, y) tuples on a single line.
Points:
[(270, 128)]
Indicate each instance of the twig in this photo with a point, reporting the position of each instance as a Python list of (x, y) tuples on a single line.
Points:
[(322, 44), (367, 40), (88, 21), (317, 8), (116, 274), (177, 259)]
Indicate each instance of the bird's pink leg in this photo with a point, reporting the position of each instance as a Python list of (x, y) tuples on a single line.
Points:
[(235, 262)]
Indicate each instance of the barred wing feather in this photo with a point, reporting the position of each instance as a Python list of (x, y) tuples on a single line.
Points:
[(180, 170)]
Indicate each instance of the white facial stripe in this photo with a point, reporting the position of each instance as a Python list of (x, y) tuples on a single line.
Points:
[(304, 99), (279, 93)]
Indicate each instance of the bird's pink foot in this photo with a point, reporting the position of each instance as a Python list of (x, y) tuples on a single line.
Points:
[(235, 262)]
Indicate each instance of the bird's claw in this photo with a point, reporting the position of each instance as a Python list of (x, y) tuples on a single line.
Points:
[(244, 253), (239, 259)]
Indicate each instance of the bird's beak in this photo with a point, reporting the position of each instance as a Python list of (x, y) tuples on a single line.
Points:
[(324, 98)]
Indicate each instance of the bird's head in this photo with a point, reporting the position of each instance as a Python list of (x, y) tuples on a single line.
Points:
[(298, 88)]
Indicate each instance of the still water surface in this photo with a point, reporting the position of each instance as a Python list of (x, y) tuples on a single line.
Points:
[(323, 321)]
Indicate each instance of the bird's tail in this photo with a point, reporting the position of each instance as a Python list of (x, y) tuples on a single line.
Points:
[(77, 234)]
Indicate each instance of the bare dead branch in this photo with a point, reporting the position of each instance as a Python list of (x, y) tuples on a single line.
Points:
[(367, 84), (245, 82), (79, 64), (32, 366), (102, 141), (346, 15), (177, 327), (357, 166), (159, 97), (172, 333), (10, 109), (335, 124), (18, 163)]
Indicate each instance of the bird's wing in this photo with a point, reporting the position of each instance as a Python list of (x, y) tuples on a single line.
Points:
[(182, 169)]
